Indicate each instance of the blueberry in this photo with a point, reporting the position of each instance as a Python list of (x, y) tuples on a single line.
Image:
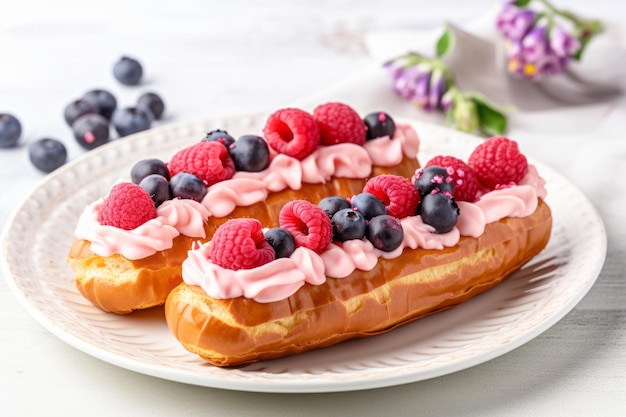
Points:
[(103, 100), (186, 185), (130, 120), (379, 124), (348, 224), (368, 205), (152, 104), (91, 130), (146, 167), (282, 241), (220, 136), (434, 177), (10, 130), (385, 232), (158, 187), (439, 211), (77, 108), (332, 204), (250, 153), (127, 71), (47, 154)]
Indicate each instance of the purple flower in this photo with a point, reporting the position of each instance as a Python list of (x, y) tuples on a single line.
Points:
[(514, 22), (438, 86), (562, 43), (408, 83), (420, 94), (534, 46), (552, 65)]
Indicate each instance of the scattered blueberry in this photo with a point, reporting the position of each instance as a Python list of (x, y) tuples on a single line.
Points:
[(379, 124), (250, 153), (127, 71), (152, 104), (220, 136), (91, 131), (385, 232), (433, 177), (10, 130), (332, 204), (103, 100), (186, 185), (78, 108), (146, 167), (439, 211), (47, 154), (129, 120), (158, 187), (348, 224), (368, 205), (282, 241)]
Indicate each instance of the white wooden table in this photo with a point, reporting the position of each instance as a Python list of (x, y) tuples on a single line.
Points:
[(211, 59)]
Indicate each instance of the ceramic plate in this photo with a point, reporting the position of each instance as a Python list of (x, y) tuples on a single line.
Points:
[(37, 236)]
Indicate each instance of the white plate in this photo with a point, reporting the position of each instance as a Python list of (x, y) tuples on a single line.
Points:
[(36, 239)]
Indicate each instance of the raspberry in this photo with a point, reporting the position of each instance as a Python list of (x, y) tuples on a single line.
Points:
[(126, 207), (209, 161), (308, 223), (240, 244), (339, 123), (292, 132), (465, 182), (398, 194), (498, 161)]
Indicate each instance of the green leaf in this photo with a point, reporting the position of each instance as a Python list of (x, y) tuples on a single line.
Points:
[(522, 3), (444, 43), (491, 120)]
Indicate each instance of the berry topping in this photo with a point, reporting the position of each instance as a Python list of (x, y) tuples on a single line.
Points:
[(240, 244), (397, 193), (292, 132), (103, 100), (348, 224), (130, 120), (152, 104), (209, 161), (339, 123), (220, 136), (186, 185), (465, 181), (127, 71), (158, 187), (250, 153), (432, 178), (126, 207), (91, 131), (332, 204), (440, 211), (379, 124), (145, 167), (385, 232), (368, 205), (282, 241), (308, 223), (10, 130), (47, 154), (498, 161), (78, 108)]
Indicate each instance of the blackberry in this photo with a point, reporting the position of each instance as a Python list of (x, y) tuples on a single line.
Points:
[(47, 154)]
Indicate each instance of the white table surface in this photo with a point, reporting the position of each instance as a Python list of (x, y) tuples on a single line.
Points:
[(211, 59)]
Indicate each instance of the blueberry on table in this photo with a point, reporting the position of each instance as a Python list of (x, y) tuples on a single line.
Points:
[(91, 131), (368, 205), (379, 124), (77, 108), (152, 104), (47, 154), (129, 120), (10, 130), (127, 71), (158, 187), (348, 224), (103, 101), (189, 186), (333, 203), (281, 240), (146, 167), (221, 136), (440, 211), (250, 153), (385, 232)]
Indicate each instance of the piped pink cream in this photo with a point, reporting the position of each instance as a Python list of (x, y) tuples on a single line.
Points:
[(264, 284)]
